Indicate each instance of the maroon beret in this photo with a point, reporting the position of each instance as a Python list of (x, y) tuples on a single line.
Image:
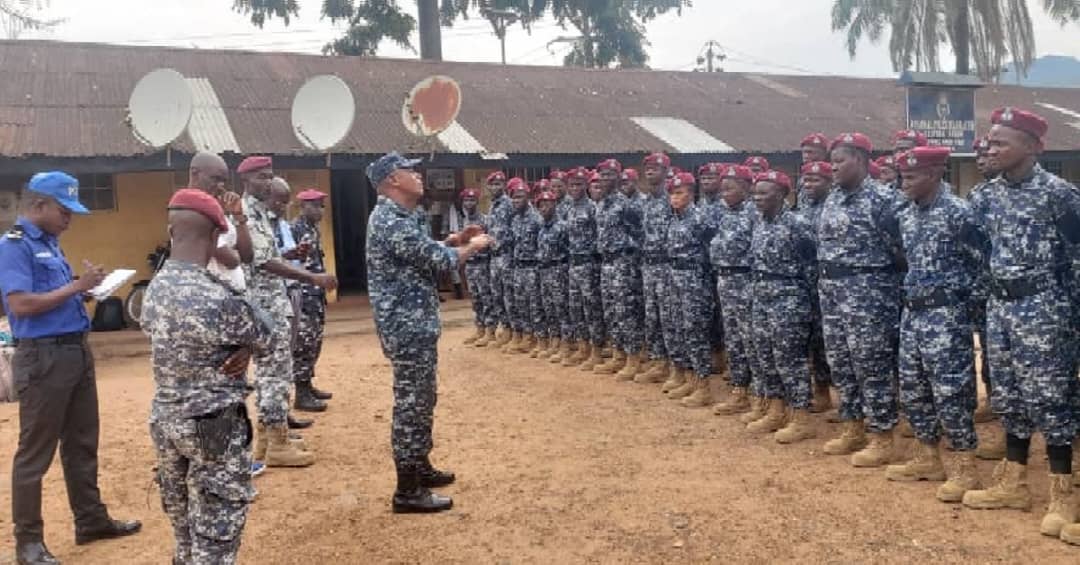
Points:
[(629, 174), (657, 159), (710, 169), (516, 184), (548, 196), (681, 180), (757, 160), (778, 177), (254, 163), (911, 135), (495, 176), (820, 168), (737, 172), (854, 139), (1028, 122), (198, 201), (558, 175), (469, 193), (609, 165), (815, 140), (874, 170), (886, 161), (923, 157), (310, 194), (981, 145)]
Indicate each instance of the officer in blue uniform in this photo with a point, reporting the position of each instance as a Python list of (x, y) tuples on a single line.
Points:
[(53, 369)]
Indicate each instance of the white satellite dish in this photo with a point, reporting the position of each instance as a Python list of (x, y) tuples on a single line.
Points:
[(323, 112), (160, 107)]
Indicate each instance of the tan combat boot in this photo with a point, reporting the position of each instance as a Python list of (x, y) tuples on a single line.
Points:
[(1010, 489), (280, 452), (578, 357), (614, 365), (488, 337), (962, 478), (505, 335), (592, 360), (562, 353), (656, 372), (797, 429), (702, 395), (822, 399), (675, 379), (852, 439), (1071, 534), (689, 385), (758, 406), (1062, 509), (903, 428), (539, 347), (475, 336), (632, 368), (878, 453), (513, 343), (737, 402), (774, 418), (925, 466), (528, 342), (552, 348), (992, 445), (258, 453)]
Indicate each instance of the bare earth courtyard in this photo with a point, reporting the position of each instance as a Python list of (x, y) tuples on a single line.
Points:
[(554, 466)]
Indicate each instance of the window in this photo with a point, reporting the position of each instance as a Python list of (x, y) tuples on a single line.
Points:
[(96, 192), (1053, 167)]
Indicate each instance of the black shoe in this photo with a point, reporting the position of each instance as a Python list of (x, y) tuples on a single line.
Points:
[(431, 477), (306, 401), (34, 553), (299, 424), (321, 394), (412, 498), (108, 530)]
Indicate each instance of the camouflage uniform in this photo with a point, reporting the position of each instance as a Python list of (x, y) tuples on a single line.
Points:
[(712, 208), (1033, 227), (656, 275), (783, 259), (478, 274), (195, 322), (585, 305), (729, 252), (979, 296), (819, 364), (937, 372), (273, 368), (309, 335), (688, 297), (401, 264), (553, 253), (562, 208), (502, 284), (618, 233), (528, 312), (858, 240)]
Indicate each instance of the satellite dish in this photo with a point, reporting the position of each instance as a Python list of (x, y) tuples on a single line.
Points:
[(431, 106), (323, 112), (160, 107)]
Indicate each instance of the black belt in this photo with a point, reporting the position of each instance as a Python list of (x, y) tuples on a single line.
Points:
[(579, 260), (478, 260), (763, 276), (727, 271), (1015, 289), (63, 339), (837, 271), (608, 257), (526, 262), (655, 260), (555, 263), (937, 298), (687, 265)]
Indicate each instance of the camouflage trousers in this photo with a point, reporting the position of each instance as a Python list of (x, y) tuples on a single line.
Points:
[(502, 289), (860, 319), (937, 374), (415, 396), (690, 312), (309, 336), (1031, 365), (205, 497), (735, 308), (478, 274), (781, 328), (819, 363), (716, 325), (555, 283), (620, 289), (656, 286), (274, 373), (585, 304), (527, 315)]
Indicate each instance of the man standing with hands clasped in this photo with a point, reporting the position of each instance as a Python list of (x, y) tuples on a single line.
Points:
[(401, 260), (53, 369)]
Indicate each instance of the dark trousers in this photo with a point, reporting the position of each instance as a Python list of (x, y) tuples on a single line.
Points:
[(57, 404)]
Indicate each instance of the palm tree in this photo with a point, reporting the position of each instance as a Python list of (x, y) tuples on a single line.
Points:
[(983, 32)]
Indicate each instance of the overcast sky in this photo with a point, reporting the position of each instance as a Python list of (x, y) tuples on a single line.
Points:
[(772, 36)]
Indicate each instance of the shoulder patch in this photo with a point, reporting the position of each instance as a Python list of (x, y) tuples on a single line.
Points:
[(16, 232)]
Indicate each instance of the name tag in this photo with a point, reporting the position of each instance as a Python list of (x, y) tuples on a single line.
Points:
[(44, 254)]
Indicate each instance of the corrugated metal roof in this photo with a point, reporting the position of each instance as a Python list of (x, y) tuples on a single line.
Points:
[(209, 127), (70, 99), (1066, 111), (457, 139), (684, 136)]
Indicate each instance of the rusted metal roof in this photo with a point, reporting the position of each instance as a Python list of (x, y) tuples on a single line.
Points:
[(70, 100)]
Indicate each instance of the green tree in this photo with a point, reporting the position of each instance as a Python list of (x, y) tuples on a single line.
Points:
[(983, 32), (17, 16)]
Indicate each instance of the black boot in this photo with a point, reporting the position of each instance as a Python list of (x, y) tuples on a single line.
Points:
[(431, 477), (321, 394), (458, 292), (34, 553), (413, 498), (298, 423), (305, 399)]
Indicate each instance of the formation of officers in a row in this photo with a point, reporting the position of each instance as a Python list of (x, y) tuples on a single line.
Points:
[(872, 287)]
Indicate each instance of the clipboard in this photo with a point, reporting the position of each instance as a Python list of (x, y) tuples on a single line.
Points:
[(112, 282)]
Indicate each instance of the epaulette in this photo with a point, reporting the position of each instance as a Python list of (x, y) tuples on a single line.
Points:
[(16, 232)]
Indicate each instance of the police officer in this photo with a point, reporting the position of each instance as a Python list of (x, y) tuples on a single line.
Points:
[(1033, 221), (628, 184), (478, 274), (888, 174), (312, 308), (527, 316), (502, 287), (858, 242), (202, 333), (401, 263), (656, 215), (782, 250), (944, 252), (757, 164), (585, 304), (815, 182), (208, 172), (553, 254), (557, 185), (711, 205), (52, 369), (814, 148)]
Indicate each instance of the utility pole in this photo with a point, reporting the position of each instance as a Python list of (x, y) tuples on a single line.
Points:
[(500, 19), (430, 32), (712, 51)]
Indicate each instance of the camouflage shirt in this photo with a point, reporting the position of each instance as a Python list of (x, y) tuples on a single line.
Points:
[(688, 237), (304, 231), (524, 225), (562, 208), (266, 289), (859, 228), (656, 216), (552, 243), (477, 219), (811, 211), (499, 226), (618, 225), (944, 248), (730, 246), (782, 249), (195, 321), (581, 227), (401, 264)]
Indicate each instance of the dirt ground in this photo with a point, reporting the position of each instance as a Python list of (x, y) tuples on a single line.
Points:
[(554, 466)]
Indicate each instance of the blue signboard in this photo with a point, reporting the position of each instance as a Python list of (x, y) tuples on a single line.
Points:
[(945, 115)]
